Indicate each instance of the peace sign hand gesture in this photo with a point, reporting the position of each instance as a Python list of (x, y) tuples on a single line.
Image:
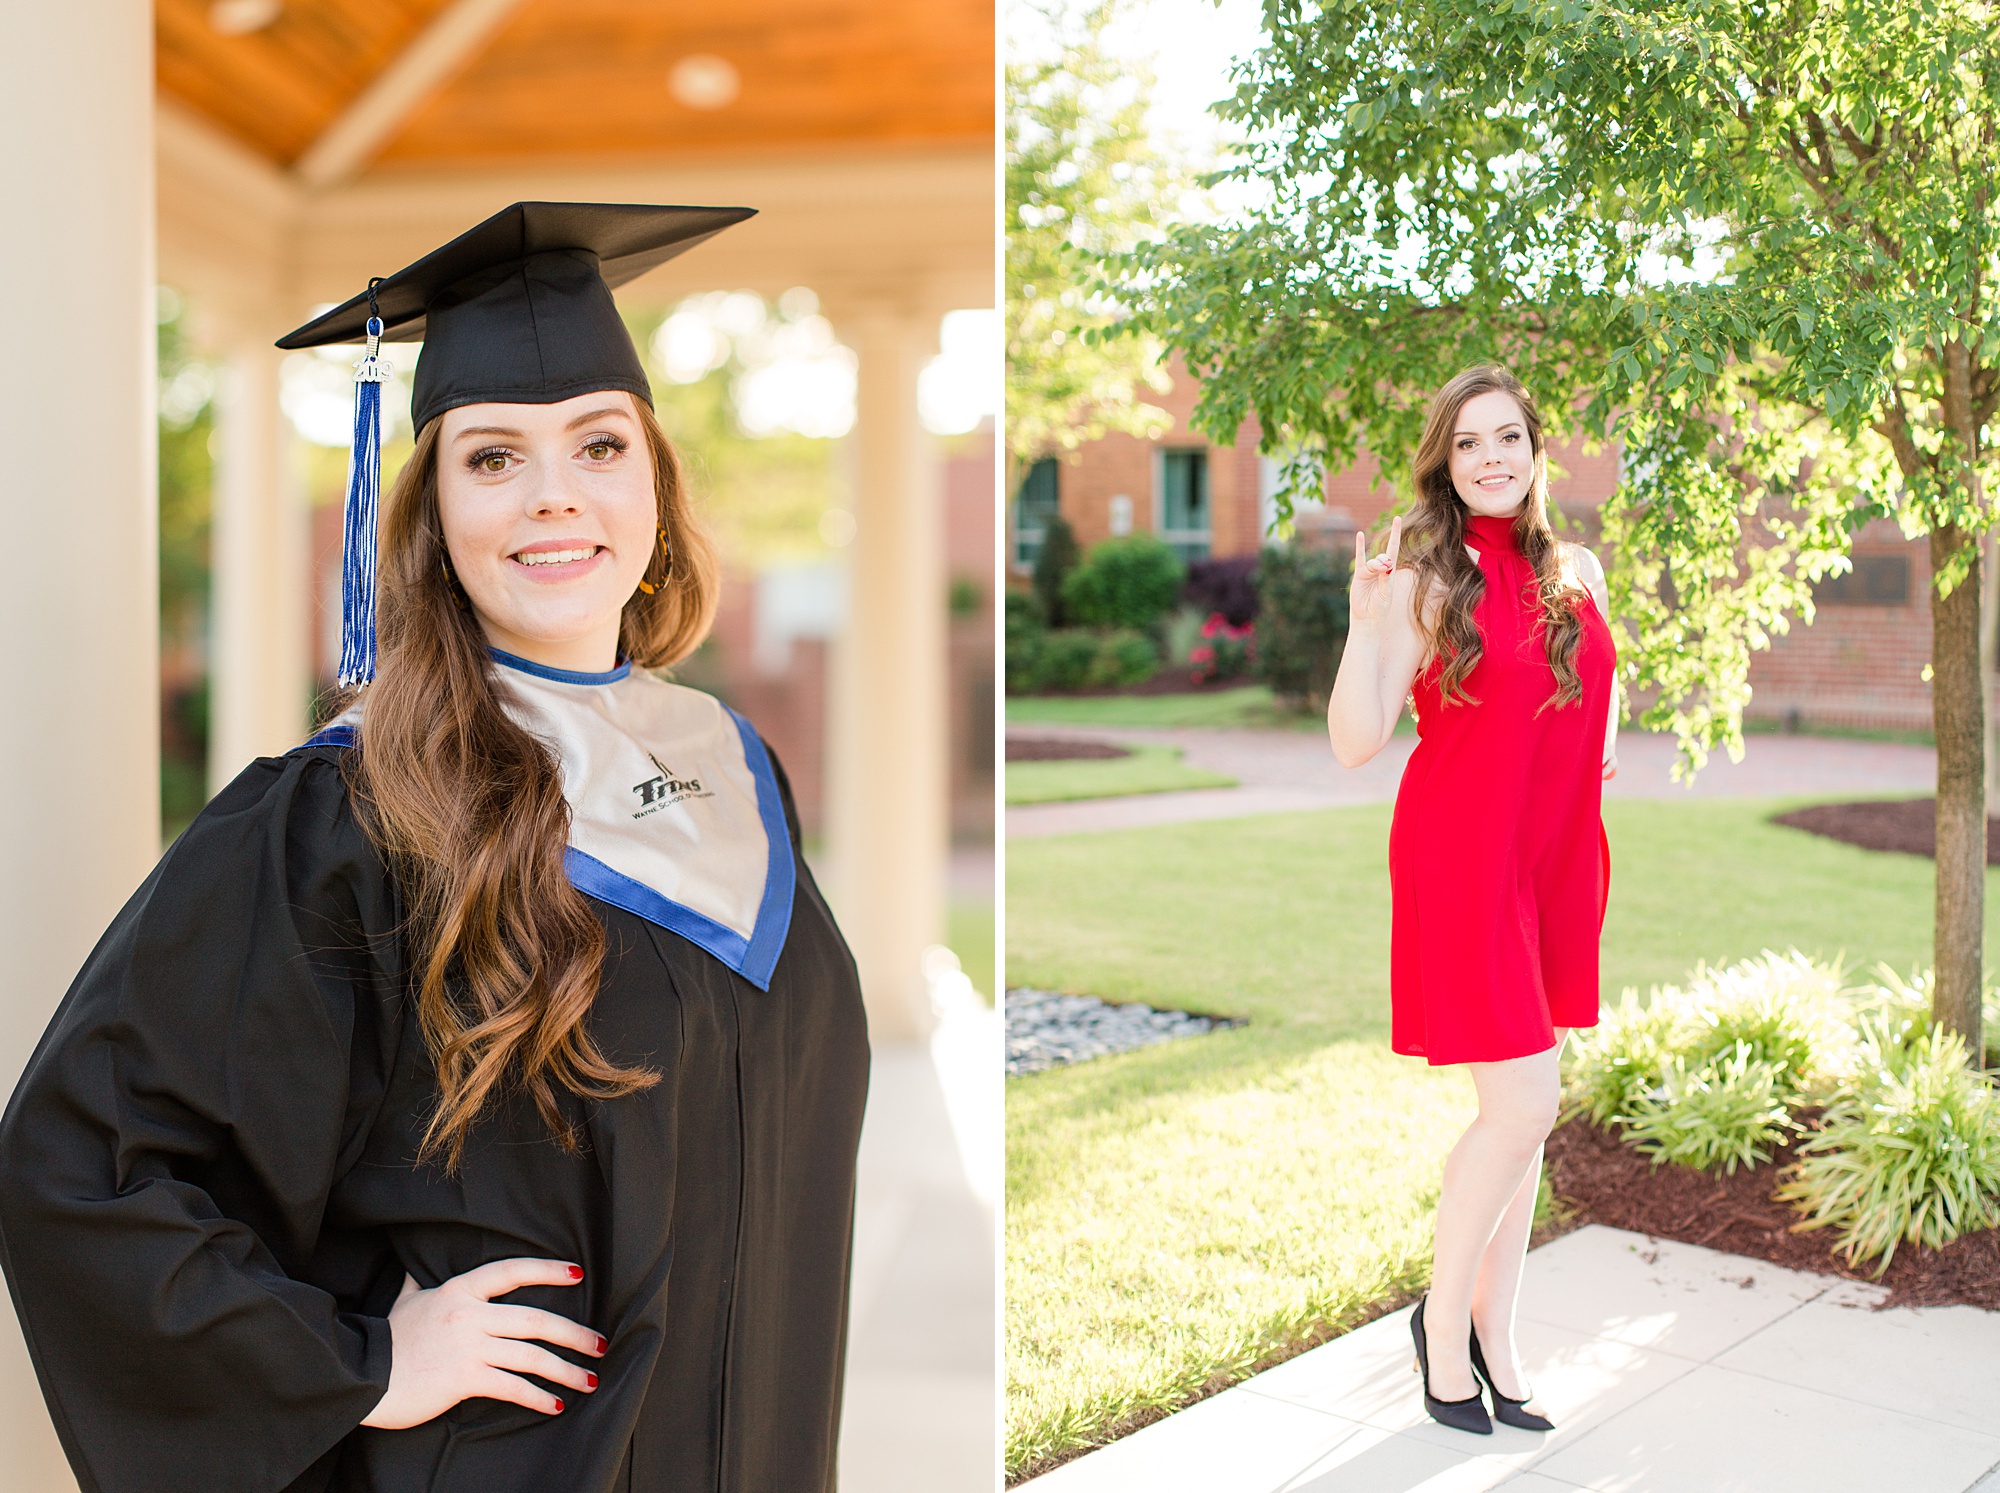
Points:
[(1368, 587)]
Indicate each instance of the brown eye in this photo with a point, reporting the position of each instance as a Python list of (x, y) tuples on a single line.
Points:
[(493, 461), (599, 450)]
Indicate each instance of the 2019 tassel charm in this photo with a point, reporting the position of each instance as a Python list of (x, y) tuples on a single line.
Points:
[(364, 491)]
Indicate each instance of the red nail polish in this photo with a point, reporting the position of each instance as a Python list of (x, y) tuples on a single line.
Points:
[(559, 1406), (576, 1272), (590, 1381), (602, 1346)]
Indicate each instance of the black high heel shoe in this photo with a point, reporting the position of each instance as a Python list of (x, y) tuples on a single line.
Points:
[(1460, 1415), (1507, 1412)]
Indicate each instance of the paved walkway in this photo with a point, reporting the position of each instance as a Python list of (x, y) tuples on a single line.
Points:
[(917, 1415), (1291, 771), (1667, 1368)]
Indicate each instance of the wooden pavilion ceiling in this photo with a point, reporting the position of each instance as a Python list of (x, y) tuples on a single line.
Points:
[(588, 78)]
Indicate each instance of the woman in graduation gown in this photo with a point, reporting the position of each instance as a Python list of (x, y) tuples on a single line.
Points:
[(469, 1099)]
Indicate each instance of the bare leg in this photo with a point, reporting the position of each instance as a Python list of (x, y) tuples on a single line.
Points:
[(1483, 1176), (1498, 1287)]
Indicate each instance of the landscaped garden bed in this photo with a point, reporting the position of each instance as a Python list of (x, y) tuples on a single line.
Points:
[(1907, 825), (1115, 773), (1596, 1178)]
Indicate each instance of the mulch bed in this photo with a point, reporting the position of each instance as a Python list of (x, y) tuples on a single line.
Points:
[(1606, 1181), (1059, 749), (1908, 825)]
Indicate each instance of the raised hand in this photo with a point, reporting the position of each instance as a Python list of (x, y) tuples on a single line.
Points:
[(1368, 587), (452, 1343)]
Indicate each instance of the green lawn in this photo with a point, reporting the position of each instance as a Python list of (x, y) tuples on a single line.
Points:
[(969, 934), (1150, 769), (1252, 705), (1179, 1213)]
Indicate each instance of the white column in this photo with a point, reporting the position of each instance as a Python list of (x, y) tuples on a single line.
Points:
[(887, 819), (79, 736), (259, 659)]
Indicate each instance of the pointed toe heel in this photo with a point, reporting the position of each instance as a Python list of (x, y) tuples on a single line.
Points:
[(1507, 1412), (1461, 1415)]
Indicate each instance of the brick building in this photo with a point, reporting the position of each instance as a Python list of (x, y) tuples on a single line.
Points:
[(1859, 665)]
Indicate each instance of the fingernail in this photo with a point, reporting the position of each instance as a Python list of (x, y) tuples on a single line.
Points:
[(559, 1407), (576, 1272), (603, 1347), (590, 1381)]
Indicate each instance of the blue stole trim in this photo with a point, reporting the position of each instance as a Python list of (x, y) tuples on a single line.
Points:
[(756, 957), (561, 676)]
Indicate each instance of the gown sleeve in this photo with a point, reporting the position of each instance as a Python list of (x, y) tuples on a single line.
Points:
[(166, 1159)]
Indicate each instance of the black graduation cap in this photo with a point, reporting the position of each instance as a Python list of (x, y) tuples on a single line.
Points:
[(517, 310)]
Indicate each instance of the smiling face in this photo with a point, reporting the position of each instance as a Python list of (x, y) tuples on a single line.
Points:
[(1492, 456), (551, 518)]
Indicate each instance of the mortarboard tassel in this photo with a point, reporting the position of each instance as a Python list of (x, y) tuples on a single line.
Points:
[(364, 490)]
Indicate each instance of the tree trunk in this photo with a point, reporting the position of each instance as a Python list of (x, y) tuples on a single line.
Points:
[(1959, 719), (1989, 664)]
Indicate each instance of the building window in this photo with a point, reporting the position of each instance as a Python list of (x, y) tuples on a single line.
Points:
[(1875, 581), (1184, 512), (1034, 505)]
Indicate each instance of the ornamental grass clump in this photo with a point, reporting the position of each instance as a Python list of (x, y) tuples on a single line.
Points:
[(1729, 1111), (1910, 1151), (1791, 1011), (1624, 1054)]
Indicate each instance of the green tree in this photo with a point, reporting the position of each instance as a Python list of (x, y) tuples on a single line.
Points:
[(1057, 557), (1751, 240), (1083, 179)]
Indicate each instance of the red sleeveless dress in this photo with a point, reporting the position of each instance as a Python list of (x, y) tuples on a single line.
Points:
[(1498, 863)]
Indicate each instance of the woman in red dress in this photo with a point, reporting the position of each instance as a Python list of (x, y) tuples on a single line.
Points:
[(1497, 857)]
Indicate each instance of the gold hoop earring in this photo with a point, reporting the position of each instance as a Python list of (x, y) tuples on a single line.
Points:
[(458, 596), (666, 564)]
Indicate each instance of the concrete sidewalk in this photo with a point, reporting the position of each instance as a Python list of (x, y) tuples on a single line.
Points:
[(1294, 771), (918, 1413), (1667, 1368)]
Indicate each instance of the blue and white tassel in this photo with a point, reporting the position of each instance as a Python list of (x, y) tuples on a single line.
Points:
[(364, 491)]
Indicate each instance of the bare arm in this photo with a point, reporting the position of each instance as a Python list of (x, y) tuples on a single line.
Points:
[(1383, 653), (1591, 572)]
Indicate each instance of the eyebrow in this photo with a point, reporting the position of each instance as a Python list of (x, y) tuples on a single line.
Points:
[(1510, 425), (588, 417)]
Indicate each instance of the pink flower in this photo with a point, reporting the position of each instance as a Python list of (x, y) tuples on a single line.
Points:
[(1201, 655)]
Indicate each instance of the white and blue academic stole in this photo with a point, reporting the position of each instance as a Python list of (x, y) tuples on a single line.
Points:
[(674, 808)]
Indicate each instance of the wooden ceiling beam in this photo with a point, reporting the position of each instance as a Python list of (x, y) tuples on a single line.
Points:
[(425, 65)]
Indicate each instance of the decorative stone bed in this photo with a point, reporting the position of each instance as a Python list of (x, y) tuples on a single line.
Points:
[(1050, 1029)]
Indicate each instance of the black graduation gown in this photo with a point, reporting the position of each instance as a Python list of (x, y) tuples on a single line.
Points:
[(208, 1200)]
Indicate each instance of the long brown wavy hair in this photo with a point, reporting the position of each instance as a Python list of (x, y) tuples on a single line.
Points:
[(468, 809), (1434, 546)]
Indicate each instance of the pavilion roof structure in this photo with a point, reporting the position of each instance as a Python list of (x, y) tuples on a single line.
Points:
[(511, 80), (305, 143)]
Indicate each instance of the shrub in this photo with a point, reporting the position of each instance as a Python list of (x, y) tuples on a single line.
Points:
[(1301, 621), (1123, 657), (1911, 1151), (1727, 1112), (1225, 652), (1129, 582), (1063, 659), (1025, 631), (1228, 586)]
